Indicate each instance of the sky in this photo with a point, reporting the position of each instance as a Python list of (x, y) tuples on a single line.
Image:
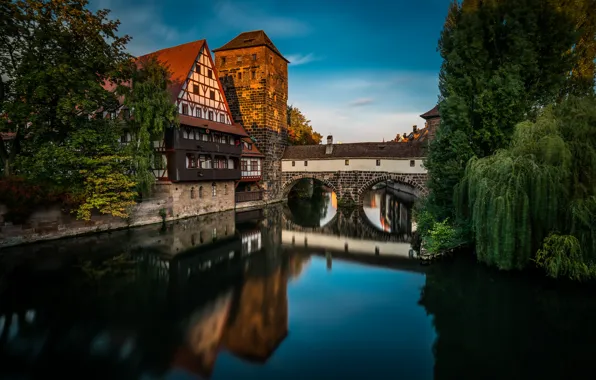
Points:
[(360, 70)]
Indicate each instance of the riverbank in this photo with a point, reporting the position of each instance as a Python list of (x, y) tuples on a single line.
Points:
[(51, 223)]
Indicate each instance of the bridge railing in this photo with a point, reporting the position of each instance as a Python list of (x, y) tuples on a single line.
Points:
[(249, 196)]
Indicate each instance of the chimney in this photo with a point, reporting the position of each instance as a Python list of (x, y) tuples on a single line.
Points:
[(329, 139), (415, 128), (329, 147)]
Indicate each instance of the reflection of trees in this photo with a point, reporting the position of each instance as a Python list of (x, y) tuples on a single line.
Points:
[(309, 213), (507, 326)]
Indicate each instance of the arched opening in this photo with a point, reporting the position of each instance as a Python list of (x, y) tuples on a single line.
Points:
[(311, 203), (388, 205)]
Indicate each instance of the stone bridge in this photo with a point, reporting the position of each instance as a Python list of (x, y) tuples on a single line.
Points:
[(352, 169)]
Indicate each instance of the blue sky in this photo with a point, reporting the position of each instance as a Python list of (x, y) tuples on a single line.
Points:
[(361, 70)]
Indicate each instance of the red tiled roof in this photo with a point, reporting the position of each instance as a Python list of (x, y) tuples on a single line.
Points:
[(251, 153), (179, 60), (235, 129), (251, 39), (355, 150), (432, 113)]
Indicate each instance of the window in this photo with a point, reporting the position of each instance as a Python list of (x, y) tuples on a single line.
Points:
[(244, 165), (225, 189), (195, 88), (212, 95), (305, 163), (222, 118), (202, 162), (378, 162), (239, 75), (214, 189), (185, 133), (232, 142), (210, 73), (238, 59), (254, 75), (210, 115), (254, 165), (198, 112), (249, 146), (223, 60), (347, 162), (271, 59), (412, 163), (254, 57), (190, 161), (192, 193), (205, 137), (201, 196), (293, 163), (198, 68), (185, 109)]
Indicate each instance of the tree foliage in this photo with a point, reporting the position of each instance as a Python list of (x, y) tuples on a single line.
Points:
[(544, 183), (503, 61), (300, 132), (153, 111), (56, 57)]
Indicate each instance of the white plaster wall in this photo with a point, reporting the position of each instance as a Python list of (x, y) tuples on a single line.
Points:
[(363, 164)]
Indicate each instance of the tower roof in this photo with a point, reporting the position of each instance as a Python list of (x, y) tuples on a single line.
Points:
[(179, 60), (432, 113), (251, 39)]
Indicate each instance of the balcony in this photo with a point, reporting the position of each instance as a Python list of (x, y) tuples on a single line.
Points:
[(251, 175), (191, 174), (209, 147), (249, 196)]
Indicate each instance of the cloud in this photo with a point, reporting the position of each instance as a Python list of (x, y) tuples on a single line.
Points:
[(301, 59), (361, 102), (363, 105), (244, 17), (149, 31)]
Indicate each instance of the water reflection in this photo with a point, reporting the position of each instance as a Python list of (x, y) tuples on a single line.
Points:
[(258, 295), (311, 204), (389, 208)]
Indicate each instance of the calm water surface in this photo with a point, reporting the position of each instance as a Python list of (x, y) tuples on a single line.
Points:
[(301, 291)]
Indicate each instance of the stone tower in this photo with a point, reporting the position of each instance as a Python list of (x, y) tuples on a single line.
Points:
[(433, 120), (254, 75)]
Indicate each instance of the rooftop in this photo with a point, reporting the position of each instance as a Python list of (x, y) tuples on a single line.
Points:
[(432, 113), (355, 150), (251, 39)]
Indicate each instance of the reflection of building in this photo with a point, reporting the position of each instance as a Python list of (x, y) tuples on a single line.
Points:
[(389, 211)]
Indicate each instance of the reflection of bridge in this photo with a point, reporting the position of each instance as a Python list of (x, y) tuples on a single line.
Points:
[(351, 169), (350, 223)]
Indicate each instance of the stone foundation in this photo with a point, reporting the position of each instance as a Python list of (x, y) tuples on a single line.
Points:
[(174, 200)]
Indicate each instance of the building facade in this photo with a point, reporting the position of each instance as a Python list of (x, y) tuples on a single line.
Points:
[(198, 164), (254, 75)]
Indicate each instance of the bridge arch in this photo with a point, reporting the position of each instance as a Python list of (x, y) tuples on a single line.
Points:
[(416, 184), (289, 184)]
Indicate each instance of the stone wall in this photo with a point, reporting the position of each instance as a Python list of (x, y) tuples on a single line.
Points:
[(176, 200), (257, 93), (349, 185)]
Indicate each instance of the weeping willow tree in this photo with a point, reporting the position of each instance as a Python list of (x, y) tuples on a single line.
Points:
[(543, 184), (152, 111)]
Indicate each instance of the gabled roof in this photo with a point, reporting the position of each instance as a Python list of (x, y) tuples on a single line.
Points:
[(354, 150), (179, 60), (251, 39), (432, 113), (254, 152)]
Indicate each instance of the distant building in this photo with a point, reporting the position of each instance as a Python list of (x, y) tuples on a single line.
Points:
[(433, 119)]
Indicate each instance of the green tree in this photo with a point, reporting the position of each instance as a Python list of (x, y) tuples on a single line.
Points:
[(300, 132), (543, 184), (54, 58), (153, 111), (503, 61)]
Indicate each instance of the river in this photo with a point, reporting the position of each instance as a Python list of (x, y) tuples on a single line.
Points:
[(296, 291)]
